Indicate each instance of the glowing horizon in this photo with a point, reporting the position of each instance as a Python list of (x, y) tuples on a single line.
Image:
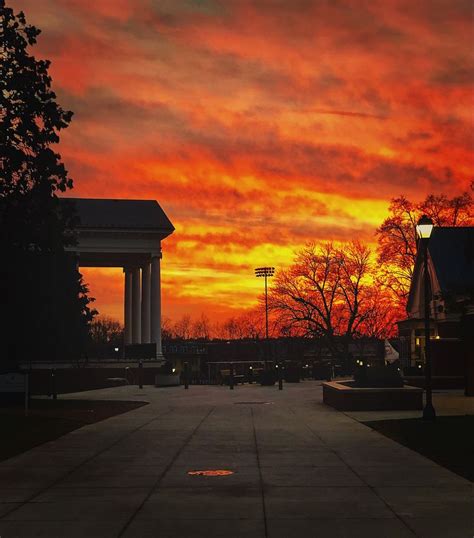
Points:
[(258, 126)]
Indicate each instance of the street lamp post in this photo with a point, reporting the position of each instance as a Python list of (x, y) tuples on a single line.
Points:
[(424, 229), (265, 272)]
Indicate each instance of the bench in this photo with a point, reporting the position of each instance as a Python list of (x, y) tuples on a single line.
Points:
[(117, 381), (225, 377)]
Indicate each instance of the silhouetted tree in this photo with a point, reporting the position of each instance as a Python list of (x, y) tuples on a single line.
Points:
[(325, 294), (106, 335), (201, 328), (397, 240), (166, 328), (47, 310), (230, 329), (105, 330), (182, 328), (380, 314), (252, 323)]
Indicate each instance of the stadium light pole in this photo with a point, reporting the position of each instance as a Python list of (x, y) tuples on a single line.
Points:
[(265, 272), (424, 228)]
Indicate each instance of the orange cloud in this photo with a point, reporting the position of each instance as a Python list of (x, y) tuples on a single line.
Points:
[(257, 125)]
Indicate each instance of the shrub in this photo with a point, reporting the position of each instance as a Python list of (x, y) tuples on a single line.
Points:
[(166, 369), (267, 377), (377, 376)]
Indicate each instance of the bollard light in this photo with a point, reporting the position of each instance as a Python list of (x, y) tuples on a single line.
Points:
[(186, 376), (140, 374)]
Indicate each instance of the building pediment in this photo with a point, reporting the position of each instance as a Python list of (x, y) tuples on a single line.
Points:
[(117, 233)]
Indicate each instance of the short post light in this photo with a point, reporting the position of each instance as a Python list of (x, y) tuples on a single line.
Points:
[(140, 374), (186, 376), (424, 229)]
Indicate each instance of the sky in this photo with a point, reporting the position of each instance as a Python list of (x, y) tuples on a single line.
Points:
[(258, 125)]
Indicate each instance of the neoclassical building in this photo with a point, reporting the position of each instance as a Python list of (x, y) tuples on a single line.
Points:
[(127, 234)]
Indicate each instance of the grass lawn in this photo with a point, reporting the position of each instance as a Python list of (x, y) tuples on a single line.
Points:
[(449, 440), (50, 419)]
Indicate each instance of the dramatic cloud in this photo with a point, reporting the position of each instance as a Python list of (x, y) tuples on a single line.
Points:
[(258, 124)]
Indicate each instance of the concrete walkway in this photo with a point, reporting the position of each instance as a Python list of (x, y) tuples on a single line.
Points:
[(300, 470)]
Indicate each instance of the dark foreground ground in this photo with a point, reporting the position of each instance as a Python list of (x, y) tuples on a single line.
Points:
[(50, 419), (299, 469), (449, 441)]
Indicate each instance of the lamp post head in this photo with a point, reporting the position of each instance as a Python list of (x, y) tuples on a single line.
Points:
[(424, 227)]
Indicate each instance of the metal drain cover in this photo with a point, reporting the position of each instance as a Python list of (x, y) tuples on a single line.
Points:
[(211, 472)]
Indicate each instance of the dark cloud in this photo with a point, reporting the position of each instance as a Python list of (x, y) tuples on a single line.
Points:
[(456, 72)]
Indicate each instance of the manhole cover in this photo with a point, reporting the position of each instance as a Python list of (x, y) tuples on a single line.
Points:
[(250, 403), (211, 472)]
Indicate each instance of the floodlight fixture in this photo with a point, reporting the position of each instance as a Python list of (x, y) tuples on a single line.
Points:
[(264, 271)]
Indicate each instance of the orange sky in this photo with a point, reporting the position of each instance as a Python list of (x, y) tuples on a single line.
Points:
[(257, 125)]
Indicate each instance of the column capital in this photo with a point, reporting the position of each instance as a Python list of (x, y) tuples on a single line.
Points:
[(156, 253)]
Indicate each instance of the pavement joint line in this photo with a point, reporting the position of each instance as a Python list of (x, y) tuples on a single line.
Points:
[(154, 487), (372, 488), (87, 460), (262, 490)]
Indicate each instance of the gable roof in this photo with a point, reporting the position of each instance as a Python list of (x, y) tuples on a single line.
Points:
[(452, 253), (106, 213)]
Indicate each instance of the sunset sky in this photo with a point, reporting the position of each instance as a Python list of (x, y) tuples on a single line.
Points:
[(257, 125)]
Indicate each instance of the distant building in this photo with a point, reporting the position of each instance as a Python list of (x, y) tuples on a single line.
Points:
[(221, 353), (451, 299)]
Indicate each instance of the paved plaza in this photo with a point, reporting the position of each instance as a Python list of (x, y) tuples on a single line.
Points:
[(301, 469)]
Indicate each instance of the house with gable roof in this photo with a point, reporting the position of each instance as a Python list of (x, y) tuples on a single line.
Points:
[(451, 299)]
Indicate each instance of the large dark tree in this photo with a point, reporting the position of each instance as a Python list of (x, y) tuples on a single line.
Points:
[(326, 294), (45, 311)]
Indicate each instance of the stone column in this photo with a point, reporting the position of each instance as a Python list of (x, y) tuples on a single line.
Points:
[(156, 303), (127, 316), (146, 273), (136, 306)]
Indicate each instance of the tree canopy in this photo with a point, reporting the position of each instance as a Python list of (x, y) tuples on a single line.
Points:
[(327, 293), (397, 241), (46, 297)]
